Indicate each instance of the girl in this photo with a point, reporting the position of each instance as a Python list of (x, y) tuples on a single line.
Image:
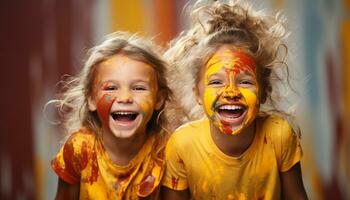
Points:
[(115, 103), (243, 148)]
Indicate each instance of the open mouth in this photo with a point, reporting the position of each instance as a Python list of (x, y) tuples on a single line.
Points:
[(231, 113), (124, 116)]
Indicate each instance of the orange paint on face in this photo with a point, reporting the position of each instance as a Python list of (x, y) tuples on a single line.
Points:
[(104, 105), (125, 85), (230, 79)]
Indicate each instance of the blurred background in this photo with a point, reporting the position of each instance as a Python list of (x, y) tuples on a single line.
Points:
[(42, 40)]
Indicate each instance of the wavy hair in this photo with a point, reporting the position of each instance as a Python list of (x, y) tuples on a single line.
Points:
[(235, 23), (72, 101)]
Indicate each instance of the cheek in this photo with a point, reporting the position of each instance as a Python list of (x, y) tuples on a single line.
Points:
[(104, 105), (147, 105), (209, 98), (250, 97)]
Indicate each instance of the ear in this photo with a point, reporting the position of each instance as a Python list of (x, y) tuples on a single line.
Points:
[(195, 91), (160, 100), (91, 104)]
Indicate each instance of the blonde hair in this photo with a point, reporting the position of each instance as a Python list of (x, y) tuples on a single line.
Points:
[(235, 23), (72, 104)]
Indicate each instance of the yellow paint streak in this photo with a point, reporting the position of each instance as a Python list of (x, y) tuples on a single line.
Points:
[(251, 101), (127, 15), (209, 97)]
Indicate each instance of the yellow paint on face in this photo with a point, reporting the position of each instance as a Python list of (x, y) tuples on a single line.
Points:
[(226, 67)]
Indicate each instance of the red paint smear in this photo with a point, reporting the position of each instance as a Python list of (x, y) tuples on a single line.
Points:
[(94, 169), (84, 156), (226, 128), (244, 63), (174, 182), (62, 173), (103, 108), (71, 162), (146, 185)]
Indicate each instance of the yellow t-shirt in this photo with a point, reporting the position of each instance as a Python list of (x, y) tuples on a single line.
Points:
[(83, 159), (194, 161)]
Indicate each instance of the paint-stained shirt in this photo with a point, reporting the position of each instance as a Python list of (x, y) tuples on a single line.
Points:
[(83, 160), (195, 162)]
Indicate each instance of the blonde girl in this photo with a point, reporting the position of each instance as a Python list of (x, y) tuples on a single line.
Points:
[(112, 108), (238, 144)]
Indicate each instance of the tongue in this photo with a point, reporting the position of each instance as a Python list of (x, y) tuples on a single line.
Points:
[(231, 113)]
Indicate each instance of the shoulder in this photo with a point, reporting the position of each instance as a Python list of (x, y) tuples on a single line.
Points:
[(190, 127), (83, 136), (275, 125), (79, 143), (186, 135), (189, 130), (281, 130)]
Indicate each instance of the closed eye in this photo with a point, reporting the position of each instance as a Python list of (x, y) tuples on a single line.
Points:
[(247, 82), (215, 82), (110, 88), (139, 88)]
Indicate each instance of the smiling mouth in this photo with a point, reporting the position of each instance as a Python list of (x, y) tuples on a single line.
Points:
[(231, 113), (124, 116)]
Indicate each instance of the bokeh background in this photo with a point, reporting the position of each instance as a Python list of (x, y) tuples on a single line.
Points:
[(42, 40)]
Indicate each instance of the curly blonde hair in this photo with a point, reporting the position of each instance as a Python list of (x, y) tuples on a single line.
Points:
[(234, 23), (72, 103)]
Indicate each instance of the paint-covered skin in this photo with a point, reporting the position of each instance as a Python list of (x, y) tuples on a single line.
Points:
[(124, 95), (229, 90)]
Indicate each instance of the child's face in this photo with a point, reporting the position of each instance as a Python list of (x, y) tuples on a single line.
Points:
[(125, 94), (228, 90)]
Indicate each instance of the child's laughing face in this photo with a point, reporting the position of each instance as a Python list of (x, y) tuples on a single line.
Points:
[(125, 94), (229, 90)]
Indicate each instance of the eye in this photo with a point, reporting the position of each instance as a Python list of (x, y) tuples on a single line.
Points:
[(247, 83), (215, 82), (139, 88), (110, 87)]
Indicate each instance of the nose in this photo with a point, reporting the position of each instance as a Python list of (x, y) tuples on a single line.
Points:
[(232, 92), (124, 96)]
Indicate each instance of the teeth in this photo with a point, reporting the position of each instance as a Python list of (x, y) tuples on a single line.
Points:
[(231, 107), (123, 113)]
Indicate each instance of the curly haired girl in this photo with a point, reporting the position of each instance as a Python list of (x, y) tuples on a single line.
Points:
[(116, 150), (243, 146)]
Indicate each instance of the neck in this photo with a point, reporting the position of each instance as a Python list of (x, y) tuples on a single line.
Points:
[(233, 145), (122, 150)]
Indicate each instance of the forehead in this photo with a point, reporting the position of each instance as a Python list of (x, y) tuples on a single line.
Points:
[(228, 58), (121, 66)]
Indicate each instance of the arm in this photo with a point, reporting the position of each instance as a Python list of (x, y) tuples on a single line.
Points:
[(66, 191), (292, 183), (169, 194)]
